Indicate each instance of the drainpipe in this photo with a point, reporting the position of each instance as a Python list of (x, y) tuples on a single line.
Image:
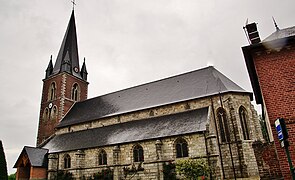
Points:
[(218, 142)]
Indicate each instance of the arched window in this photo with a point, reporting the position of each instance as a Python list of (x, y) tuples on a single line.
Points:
[(67, 161), (75, 92), (223, 125), (53, 113), (52, 91), (243, 119), (138, 154), (181, 148), (102, 158), (46, 114)]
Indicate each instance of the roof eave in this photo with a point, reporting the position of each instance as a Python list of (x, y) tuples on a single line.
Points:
[(252, 72)]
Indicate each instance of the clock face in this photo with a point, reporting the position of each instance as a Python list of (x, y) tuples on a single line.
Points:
[(50, 105), (76, 69)]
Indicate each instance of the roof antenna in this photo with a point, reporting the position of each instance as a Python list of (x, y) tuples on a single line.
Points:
[(275, 23), (73, 2)]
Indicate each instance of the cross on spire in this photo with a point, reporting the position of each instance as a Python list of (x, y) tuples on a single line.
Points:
[(73, 2)]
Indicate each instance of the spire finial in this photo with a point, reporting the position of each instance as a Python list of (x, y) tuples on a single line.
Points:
[(275, 23), (73, 2)]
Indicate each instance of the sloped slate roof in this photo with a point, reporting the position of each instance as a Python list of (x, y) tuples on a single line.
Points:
[(281, 33), (191, 85), (36, 156), (133, 131)]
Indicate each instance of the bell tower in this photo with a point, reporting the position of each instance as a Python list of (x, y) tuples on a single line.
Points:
[(64, 84)]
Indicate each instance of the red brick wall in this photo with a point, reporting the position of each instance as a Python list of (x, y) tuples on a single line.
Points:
[(38, 173), (276, 74), (266, 157), (22, 173), (63, 101)]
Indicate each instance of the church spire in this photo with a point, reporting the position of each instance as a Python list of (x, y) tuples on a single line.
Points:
[(49, 68), (84, 72), (68, 58)]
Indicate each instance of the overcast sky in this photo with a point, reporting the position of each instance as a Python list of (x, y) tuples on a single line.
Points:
[(125, 42)]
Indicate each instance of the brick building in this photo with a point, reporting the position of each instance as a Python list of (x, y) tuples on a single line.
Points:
[(271, 67), (135, 132)]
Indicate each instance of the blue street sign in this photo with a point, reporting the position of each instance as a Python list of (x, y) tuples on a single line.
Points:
[(279, 130)]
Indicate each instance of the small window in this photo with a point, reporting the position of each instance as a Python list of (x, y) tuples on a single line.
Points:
[(75, 92), (67, 161), (243, 119), (138, 154), (53, 113), (46, 114), (181, 148), (223, 125), (102, 158), (52, 92)]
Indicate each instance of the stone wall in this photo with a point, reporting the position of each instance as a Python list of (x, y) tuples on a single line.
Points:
[(153, 157), (223, 157)]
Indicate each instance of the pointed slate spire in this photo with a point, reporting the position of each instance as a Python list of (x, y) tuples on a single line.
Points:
[(68, 57), (49, 68), (84, 71)]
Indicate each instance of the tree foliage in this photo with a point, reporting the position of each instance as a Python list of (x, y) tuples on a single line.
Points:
[(64, 175), (12, 177), (193, 169), (263, 128), (3, 165)]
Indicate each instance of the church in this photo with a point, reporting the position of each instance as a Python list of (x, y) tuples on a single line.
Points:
[(134, 133)]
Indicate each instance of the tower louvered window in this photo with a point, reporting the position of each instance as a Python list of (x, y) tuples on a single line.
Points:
[(52, 92), (75, 92)]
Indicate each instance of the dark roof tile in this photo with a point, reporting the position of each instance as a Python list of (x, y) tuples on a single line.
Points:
[(191, 85), (37, 156), (281, 33), (157, 127)]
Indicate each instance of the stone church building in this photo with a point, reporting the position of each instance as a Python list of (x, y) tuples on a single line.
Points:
[(135, 132)]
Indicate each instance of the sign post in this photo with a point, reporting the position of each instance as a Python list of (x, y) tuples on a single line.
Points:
[(283, 137)]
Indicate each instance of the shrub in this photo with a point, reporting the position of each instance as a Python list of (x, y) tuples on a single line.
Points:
[(64, 175), (12, 177), (169, 171), (193, 169)]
